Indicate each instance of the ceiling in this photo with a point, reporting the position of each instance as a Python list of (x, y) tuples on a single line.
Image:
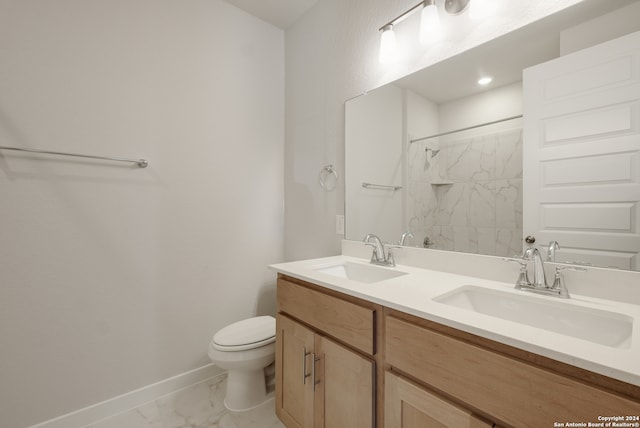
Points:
[(281, 13), (503, 58)]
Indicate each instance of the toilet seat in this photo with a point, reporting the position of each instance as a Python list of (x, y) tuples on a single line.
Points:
[(250, 333)]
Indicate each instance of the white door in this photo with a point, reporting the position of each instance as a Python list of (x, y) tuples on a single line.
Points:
[(581, 175)]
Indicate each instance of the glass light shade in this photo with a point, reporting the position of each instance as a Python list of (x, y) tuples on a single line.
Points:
[(481, 9), (388, 50), (430, 28)]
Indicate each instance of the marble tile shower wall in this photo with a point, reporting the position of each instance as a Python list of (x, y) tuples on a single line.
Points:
[(468, 197)]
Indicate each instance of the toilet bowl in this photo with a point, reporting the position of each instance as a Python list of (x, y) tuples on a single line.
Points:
[(244, 349)]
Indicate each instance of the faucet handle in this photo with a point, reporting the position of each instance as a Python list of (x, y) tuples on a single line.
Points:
[(375, 255), (390, 259), (523, 276), (558, 282), (521, 262)]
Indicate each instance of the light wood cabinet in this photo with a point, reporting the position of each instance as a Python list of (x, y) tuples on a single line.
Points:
[(344, 393), (378, 367), (344, 320), (501, 388), (410, 406), (294, 394), (319, 381)]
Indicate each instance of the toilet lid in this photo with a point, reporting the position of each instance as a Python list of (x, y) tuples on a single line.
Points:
[(258, 331)]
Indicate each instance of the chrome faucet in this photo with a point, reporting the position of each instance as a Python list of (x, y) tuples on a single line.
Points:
[(378, 257), (539, 283), (551, 251), (539, 277), (404, 237)]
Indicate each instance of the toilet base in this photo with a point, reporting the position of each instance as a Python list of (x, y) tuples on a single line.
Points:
[(246, 389)]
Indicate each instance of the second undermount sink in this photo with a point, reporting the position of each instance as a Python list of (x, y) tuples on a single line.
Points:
[(359, 272), (594, 325)]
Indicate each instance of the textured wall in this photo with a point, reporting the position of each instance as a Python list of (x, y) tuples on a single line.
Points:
[(332, 56), (113, 277), (374, 127)]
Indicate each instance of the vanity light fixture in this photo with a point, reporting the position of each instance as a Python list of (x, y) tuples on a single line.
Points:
[(430, 28), (429, 22), (388, 51)]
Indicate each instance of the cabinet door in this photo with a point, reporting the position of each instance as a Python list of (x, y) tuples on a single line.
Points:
[(409, 406), (344, 390), (294, 392)]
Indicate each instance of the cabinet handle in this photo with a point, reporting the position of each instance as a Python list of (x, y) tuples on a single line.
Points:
[(305, 375), (313, 370)]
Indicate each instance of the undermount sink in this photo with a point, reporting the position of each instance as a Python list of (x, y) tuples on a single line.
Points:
[(595, 325), (359, 272)]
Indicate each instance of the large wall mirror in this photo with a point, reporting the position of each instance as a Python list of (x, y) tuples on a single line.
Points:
[(440, 156)]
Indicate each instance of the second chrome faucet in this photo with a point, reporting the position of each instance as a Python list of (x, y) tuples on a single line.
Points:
[(539, 282)]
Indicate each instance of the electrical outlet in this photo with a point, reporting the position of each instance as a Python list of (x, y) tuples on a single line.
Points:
[(340, 224)]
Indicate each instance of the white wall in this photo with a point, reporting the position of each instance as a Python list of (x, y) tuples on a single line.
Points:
[(332, 56), (488, 106), (422, 115), (375, 126), (113, 277)]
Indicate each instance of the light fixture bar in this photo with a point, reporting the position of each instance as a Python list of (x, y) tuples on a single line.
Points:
[(403, 16), (453, 7)]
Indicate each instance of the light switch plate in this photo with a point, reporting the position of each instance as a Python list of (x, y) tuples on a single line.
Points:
[(340, 224)]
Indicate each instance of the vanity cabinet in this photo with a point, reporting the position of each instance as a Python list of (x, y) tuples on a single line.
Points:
[(379, 367), (480, 374), (325, 373)]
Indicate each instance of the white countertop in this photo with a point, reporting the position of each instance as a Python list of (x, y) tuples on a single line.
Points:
[(413, 294)]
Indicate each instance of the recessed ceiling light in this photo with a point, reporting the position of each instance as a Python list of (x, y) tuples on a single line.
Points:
[(484, 81)]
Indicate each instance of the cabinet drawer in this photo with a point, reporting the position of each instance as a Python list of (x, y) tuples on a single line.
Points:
[(504, 388), (409, 406), (345, 321)]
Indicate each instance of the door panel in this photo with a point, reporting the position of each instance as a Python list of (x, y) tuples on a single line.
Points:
[(294, 394), (409, 406), (581, 179), (345, 387)]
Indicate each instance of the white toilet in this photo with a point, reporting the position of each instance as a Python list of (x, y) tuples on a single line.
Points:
[(244, 349)]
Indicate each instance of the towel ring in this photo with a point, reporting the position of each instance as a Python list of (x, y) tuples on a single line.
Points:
[(328, 178)]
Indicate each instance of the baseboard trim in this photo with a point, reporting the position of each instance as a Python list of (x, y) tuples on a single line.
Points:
[(130, 400)]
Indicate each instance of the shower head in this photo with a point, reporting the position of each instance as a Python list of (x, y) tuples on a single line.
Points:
[(434, 153)]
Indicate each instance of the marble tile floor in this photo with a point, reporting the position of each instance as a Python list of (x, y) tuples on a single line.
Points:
[(197, 406)]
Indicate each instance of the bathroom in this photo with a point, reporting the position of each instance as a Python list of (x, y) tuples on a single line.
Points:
[(115, 278)]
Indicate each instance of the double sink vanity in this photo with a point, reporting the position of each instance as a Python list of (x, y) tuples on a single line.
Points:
[(455, 339), (445, 338)]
